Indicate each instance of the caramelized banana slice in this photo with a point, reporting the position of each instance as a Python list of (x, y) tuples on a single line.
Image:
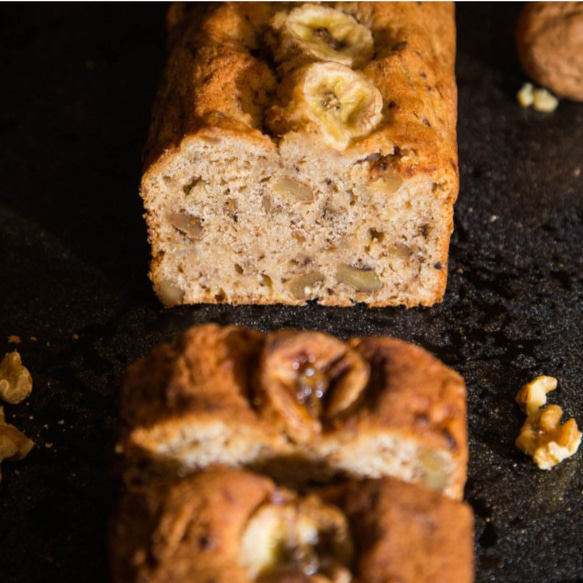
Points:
[(320, 33), (309, 377), (342, 103), (301, 540)]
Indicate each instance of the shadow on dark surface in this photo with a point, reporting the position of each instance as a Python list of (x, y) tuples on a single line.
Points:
[(485, 33), (74, 124)]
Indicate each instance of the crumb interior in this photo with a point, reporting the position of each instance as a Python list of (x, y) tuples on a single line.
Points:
[(234, 224)]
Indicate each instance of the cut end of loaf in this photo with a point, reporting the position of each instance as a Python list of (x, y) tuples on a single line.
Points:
[(199, 445), (232, 221), (406, 419)]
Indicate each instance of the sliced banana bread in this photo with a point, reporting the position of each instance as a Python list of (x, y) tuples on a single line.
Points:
[(304, 152), (298, 406), (230, 526)]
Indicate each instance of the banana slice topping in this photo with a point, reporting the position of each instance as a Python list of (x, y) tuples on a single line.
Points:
[(310, 378), (300, 537), (314, 32), (342, 103)]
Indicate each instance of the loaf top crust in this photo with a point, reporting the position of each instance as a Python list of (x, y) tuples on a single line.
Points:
[(220, 81), (191, 529), (407, 533), (213, 370), (185, 530)]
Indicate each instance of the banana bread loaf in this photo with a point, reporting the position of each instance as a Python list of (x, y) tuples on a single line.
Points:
[(304, 152), (299, 406), (230, 526)]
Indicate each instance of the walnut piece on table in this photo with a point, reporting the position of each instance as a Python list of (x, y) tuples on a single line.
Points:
[(543, 100), (533, 395), (539, 99), (14, 445), (15, 380), (525, 95), (542, 436)]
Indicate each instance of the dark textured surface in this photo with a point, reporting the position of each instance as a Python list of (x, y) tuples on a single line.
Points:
[(78, 81)]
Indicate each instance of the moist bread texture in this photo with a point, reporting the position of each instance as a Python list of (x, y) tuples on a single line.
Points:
[(230, 526), (304, 152), (299, 406)]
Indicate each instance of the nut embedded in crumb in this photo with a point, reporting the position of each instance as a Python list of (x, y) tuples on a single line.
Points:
[(15, 380), (14, 445), (542, 436)]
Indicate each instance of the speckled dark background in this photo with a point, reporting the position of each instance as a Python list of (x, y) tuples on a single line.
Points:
[(77, 85)]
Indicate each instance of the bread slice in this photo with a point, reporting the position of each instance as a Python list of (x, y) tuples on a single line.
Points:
[(284, 168), (298, 406), (230, 526)]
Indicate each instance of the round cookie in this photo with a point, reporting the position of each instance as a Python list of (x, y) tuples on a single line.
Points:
[(549, 39)]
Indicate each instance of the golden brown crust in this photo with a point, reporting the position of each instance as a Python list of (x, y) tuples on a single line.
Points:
[(414, 393), (206, 368), (191, 529), (185, 530), (212, 79), (205, 374), (210, 376), (413, 69), (407, 533)]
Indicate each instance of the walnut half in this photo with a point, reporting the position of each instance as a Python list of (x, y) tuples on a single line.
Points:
[(542, 436), (14, 445), (15, 380)]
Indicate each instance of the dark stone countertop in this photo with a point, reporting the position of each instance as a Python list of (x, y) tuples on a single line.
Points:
[(78, 84)]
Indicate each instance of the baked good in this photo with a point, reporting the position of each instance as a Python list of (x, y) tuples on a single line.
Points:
[(406, 533), (549, 38), (299, 406), (304, 152), (230, 526)]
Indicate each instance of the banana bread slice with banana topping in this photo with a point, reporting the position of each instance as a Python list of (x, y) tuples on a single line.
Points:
[(304, 152), (299, 406), (230, 526)]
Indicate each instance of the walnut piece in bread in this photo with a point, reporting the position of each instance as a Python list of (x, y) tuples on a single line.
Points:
[(307, 407), (304, 152), (230, 526)]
